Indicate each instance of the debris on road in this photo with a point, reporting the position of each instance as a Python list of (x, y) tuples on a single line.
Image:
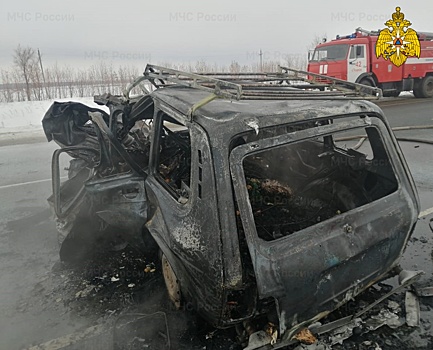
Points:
[(412, 309), (305, 336), (424, 292)]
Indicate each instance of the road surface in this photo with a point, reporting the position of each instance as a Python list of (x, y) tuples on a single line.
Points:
[(43, 306)]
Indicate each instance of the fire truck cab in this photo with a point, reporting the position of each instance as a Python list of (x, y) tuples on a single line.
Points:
[(353, 58)]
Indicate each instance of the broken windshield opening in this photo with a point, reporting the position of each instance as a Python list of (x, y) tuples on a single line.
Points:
[(297, 185)]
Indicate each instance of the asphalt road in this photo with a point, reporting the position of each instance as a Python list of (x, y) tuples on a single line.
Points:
[(407, 110), (36, 313)]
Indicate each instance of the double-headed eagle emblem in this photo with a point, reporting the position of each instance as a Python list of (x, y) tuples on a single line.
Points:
[(395, 43)]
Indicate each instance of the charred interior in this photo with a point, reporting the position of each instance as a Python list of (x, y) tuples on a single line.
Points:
[(297, 185), (174, 159)]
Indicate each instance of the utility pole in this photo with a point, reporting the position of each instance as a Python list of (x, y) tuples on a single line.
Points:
[(261, 61), (43, 75)]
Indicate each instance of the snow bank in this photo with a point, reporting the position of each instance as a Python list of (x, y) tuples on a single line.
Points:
[(26, 117)]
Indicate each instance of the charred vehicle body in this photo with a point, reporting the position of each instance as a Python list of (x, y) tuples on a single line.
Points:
[(266, 195)]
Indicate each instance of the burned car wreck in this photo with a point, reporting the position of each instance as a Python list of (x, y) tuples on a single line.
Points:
[(265, 196)]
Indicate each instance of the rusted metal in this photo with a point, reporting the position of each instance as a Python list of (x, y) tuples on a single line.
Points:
[(171, 282)]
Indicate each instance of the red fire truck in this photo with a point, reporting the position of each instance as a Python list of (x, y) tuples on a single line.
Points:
[(353, 58)]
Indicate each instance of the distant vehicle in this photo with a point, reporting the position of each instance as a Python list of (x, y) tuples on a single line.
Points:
[(353, 58), (261, 198)]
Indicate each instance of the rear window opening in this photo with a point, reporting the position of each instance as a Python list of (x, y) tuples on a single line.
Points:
[(297, 185)]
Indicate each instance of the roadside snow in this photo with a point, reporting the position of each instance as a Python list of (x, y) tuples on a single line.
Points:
[(25, 118), (406, 94)]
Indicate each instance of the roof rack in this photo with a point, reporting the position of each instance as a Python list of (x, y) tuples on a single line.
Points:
[(347, 90), (287, 84)]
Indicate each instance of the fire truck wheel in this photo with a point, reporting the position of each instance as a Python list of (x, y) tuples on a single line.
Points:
[(367, 82), (426, 88)]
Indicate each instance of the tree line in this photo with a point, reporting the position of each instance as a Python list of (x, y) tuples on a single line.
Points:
[(29, 80)]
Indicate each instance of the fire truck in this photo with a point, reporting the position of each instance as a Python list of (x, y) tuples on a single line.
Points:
[(353, 58)]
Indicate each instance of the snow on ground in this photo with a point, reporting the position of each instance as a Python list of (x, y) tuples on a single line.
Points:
[(24, 119)]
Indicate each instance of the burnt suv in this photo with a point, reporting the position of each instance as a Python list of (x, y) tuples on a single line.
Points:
[(267, 195)]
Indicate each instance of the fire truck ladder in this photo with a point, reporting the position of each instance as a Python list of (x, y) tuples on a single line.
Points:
[(424, 36), (367, 32)]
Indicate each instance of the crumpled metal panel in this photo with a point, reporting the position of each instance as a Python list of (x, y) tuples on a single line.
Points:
[(65, 122)]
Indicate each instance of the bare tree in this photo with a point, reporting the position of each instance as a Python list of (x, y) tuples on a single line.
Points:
[(68, 75), (65, 81), (317, 39), (6, 79), (55, 77), (23, 60), (19, 94), (81, 79), (298, 61), (36, 80), (235, 67), (201, 66)]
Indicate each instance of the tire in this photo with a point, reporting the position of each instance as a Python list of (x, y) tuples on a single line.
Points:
[(425, 89), (367, 82), (416, 93)]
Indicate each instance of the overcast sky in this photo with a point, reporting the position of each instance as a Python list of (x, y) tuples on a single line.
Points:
[(80, 32)]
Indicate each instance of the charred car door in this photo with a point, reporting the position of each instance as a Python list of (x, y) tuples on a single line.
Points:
[(324, 214), (182, 215)]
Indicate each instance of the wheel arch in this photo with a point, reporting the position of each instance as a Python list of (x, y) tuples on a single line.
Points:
[(367, 76)]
